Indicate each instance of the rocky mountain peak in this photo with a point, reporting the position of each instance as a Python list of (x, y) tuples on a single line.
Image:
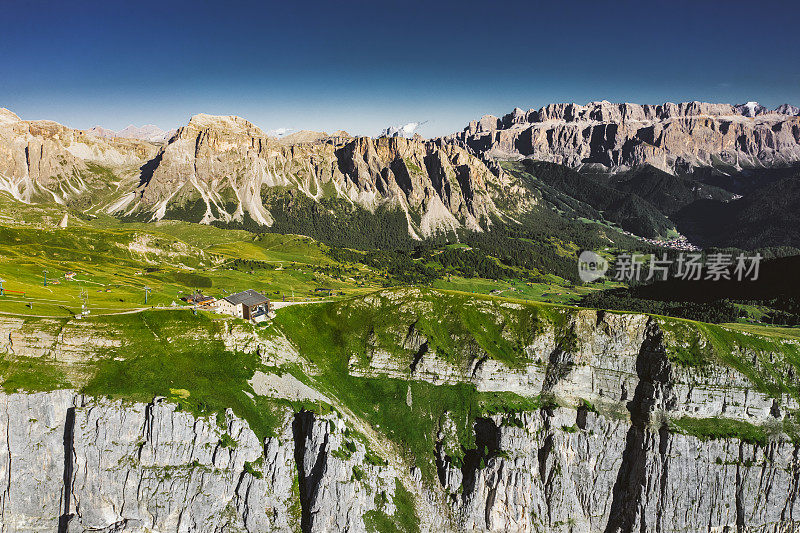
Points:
[(751, 109), (99, 131), (309, 136), (148, 132), (44, 161), (8, 117), (223, 168), (787, 109), (406, 131), (230, 124), (623, 135)]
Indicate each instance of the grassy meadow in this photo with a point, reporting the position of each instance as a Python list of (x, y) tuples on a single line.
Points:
[(113, 261)]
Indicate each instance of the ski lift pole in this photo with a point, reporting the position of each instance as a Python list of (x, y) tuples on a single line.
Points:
[(45, 277), (146, 294), (84, 295), (2, 292)]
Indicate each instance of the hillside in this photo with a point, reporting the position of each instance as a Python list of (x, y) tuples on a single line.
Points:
[(114, 260), (595, 200), (765, 217), (667, 192)]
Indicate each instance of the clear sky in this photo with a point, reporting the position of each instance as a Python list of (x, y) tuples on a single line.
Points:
[(362, 66)]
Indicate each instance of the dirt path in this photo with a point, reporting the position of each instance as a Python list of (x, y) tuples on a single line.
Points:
[(42, 301), (281, 305)]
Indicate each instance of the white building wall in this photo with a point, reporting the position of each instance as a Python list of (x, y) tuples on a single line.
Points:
[(224, 306)]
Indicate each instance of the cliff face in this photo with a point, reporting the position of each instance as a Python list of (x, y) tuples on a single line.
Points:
[(578, 470), (614, 433), (224, 169), (43, 161), (607, 476), (72, 463), (669, 136), (225, 164)]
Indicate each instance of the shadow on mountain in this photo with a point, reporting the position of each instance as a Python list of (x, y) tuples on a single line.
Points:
[(147, 170), (769, 217), (584, 196)]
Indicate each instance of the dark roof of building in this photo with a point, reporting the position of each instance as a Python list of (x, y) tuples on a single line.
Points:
[(248, 298), (197, 297)]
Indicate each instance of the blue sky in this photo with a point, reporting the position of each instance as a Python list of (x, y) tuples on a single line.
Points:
[(362, 66)]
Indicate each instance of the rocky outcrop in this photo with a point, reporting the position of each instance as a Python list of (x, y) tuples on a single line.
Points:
[(225, 166), (787, 109), (618, 136), (76, 464), (576, 470), (43, 161), (566, 470), (313, 137), (338, 486), (226, 170), (219, 169), (601, 366), (124, 464)]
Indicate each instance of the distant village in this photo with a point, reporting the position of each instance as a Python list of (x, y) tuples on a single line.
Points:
[(680, 243)]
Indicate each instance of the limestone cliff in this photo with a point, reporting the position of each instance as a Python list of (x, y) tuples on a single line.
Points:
[(600, 422), (43, 161), (668, 136), (225, 169), (225, 165), (72, 463)]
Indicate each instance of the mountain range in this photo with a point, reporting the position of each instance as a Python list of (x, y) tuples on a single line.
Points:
[(672, 137), (225, 169), (148, 132), (652, 170)]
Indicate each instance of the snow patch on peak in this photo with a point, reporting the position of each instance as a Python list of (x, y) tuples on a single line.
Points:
[(751, 109), (280, 132), (406, 130)]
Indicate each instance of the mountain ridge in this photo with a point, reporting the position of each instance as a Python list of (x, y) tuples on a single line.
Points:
[(225, 170), (671, 137), (148, 132), (223, 164)]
